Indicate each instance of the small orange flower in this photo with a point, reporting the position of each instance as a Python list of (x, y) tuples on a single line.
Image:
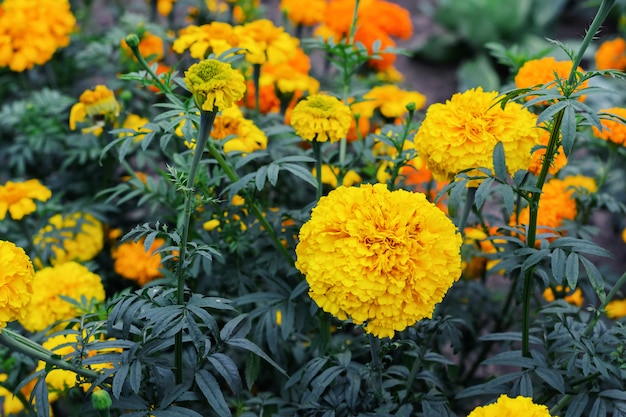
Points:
[(572, 297), (611, 55), (542, 72), (612, 130), (133, 262)]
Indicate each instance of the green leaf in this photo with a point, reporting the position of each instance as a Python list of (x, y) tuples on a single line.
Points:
[(526, 385), (211, 390), (595, 278), (482, 192), (251, 347), (553, 378), (237, 327), (598, 409), (572, 270), (225, 366), (301, 173), (568, 129), (259, 180), (499, 162), (577, 406), (557, 262), (326, 378), (508, 198), (550, 111), (272, 173), (252, 370), (535, 258)]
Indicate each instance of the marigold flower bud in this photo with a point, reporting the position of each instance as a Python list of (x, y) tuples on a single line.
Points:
[(132, 41), (101, 400)]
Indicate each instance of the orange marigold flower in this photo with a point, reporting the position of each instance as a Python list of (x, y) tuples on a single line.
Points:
[(572, 297), (616, 309), (611, 55), (309, 15), (382, 258), (99, 105), (133, 262), (18, 198), (462, 134), (560, 160), (612, 129), (542, 72), (16, 282), (32, 30), (71, 280)]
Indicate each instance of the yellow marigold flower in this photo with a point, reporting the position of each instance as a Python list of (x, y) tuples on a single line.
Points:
[(309, 15), (511, 407), (215, 37), (164, 7), (211, 224), (16, 282), (133, 262), (391, 101), (462, 133), (616, 309), (383, 258), (560, 160), (329, 176), (572, 297), (215, 85), (263, 41), (59, 380), (541, 72), (612, 130), (557, 202), (136, 123), (71, 280), (18, 198), (244, 135), (70, 237), (99, 105), (32, 30), (611, 55), (322, 118), (11, 404)]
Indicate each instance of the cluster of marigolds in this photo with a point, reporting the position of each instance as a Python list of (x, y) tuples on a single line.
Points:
[(380, 256)]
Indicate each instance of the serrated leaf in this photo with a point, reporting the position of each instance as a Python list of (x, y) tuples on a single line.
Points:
[(568, 130), (225, 366), (536, 257), (251, 347), (272, 173), (595, 278), (577, 406), (499, 162), (557, 263), (572, 270), (252, 370), (212, 392), (552, 377), (482, 192), (526, 385), (301, 173), (550, 111)]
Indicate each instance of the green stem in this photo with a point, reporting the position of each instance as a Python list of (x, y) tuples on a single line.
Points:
[(17, 342), (617, 287), (206, 124), (377, 381), (317, 152), (606, 169), (256, 79), (146, 66), (233, 177)]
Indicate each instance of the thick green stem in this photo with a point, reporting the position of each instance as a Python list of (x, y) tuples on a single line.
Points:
[(206, 124), (18, 343), (377, 370), (317, 152), (256, 79), (134, 47)]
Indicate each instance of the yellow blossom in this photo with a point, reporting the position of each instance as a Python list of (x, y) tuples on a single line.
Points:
[(135, 123), (462, 134), (329, 176), (18, 198), (391, 101), (164, 7), (10, 404), (211, 224), (71, 280), (215, 85), (32, 30), (70, 237), (616, 309), (263, 41), (511, 407), (133, 262), (215, 37), (16, 282), (99, 105), (382, 258), (322, 118)]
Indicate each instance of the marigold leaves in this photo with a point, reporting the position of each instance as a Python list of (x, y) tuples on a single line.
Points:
[(577, 405), (39, 396), (212, 392), (511, 358), (598, 409), (551, 377), (456, 196), (228, 370), (572, 270), (595, 278), (300, 172), (550, 111), (321, 382), (534, 258), (493, 386), (499, 162), (525, 385), (119, 378), (352, 389), (581, 246), (482, 192), (238, 327), (568, 129), (252, 370), (510, 337), (251, 347), (557, 263)]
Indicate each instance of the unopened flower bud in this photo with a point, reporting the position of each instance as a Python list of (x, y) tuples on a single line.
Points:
[(101, 400), (132, 41)]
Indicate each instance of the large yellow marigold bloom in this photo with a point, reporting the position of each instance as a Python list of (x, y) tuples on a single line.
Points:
[(541, 71), (391, 101), (462, 134), (11, 405), (382, 258), (310, 15), (616, 309), (18, 198), (321, 117), (215, 37), (132, 261), (611, 55), (32, 30), (71, 280), (215, 85), (71, 237), (263, 42), (16, 282), (612, 130), (511, 407)]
